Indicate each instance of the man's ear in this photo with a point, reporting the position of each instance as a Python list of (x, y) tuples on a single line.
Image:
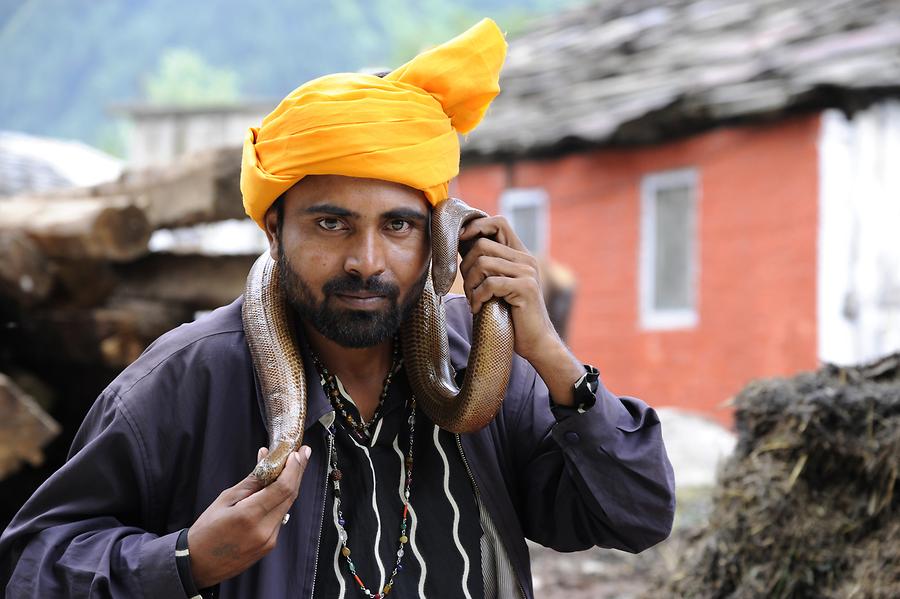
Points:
[(270, 220)]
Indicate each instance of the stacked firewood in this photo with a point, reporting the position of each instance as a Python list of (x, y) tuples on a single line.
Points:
[(80, 286)]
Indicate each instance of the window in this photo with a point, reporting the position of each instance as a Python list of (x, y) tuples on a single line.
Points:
[(526, 211), (668, 265)]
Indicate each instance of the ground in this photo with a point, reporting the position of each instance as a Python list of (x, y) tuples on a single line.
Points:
[(610, 574), (695, 446)]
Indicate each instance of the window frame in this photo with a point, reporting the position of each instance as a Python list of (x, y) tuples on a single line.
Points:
[(517, 197), (651, 317)]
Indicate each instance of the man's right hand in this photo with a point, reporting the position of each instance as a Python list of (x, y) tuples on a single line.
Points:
[(242, 524)]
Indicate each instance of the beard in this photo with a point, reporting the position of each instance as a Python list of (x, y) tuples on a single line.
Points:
[(344, 326)]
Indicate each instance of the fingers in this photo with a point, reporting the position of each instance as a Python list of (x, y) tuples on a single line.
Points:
[(242, 490), (284, 489), (246, 487), (274, 521), (517, 292), (487, 267), (489, 259), (274, 518), (242, 524), (489, 247), (496, 227)]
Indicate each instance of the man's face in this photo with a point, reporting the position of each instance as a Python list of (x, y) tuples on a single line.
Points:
[(353, 254)]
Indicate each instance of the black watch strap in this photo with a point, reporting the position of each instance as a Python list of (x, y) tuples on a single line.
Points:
[(585, 394)]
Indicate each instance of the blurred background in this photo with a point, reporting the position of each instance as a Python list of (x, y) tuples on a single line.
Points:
[(712, 188)]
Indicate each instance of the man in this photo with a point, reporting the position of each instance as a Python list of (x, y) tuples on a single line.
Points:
[(155, 501)]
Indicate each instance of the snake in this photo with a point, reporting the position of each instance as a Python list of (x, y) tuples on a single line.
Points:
[(468, 407)]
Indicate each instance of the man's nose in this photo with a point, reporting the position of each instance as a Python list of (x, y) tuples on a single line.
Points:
[(366, 256)]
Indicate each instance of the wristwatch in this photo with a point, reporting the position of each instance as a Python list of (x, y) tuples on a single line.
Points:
[(585, 394)]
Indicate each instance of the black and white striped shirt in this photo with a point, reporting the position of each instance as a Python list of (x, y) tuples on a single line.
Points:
[(444, 555)]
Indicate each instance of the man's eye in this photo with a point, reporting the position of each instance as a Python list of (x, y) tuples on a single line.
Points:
[(399, 225), (330, 224)]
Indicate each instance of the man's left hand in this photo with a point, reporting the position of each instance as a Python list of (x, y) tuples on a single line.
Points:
[(499, 265)]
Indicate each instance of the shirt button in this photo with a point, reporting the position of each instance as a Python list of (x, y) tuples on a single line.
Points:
[(572, 437)]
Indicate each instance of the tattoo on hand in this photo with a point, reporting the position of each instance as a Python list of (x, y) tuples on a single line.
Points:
[(226, 550)]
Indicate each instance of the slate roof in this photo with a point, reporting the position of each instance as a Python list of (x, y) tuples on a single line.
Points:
[(29, 163), (638, 71)]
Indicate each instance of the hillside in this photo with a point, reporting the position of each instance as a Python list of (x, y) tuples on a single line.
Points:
[(66, 62)]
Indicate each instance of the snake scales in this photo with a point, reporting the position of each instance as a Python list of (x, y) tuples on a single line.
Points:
[(277, 361)]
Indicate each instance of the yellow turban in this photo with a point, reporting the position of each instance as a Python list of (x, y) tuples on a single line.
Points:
[(401, 128)]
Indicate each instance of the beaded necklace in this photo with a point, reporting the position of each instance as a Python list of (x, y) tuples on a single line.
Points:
[(362, 431)]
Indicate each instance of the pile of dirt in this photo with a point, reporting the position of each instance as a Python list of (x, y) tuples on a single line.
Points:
[(807, 506)]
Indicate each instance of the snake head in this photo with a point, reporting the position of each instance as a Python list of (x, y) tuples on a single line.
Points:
[(269, 468), (448, 217)]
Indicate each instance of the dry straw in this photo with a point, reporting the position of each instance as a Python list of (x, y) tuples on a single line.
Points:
[(808, 504)]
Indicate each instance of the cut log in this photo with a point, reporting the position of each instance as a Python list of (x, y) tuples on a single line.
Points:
[(108, 228), (200, 188), (83, 283), (24, 429), (25, 273), (197, 282)]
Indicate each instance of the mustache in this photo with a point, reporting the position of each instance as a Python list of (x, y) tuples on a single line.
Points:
[(351, 284)]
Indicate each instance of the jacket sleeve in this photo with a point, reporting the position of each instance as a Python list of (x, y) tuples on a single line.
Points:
[(601, 477), (83, 532)]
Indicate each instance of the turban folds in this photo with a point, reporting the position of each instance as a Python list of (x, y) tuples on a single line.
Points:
[(401, 128)]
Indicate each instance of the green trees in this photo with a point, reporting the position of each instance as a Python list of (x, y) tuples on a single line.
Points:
[(65, 63), (184, 78)]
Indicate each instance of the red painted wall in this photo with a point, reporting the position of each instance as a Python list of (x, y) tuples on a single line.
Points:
[(758, 221)]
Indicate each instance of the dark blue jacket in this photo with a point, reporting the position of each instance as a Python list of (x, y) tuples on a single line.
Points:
[(183, 423)]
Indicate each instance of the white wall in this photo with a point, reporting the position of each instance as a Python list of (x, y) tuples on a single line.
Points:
[(159, 139), (859, 234)]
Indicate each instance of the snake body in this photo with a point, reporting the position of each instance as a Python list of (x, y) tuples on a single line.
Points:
[(278, 364)]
